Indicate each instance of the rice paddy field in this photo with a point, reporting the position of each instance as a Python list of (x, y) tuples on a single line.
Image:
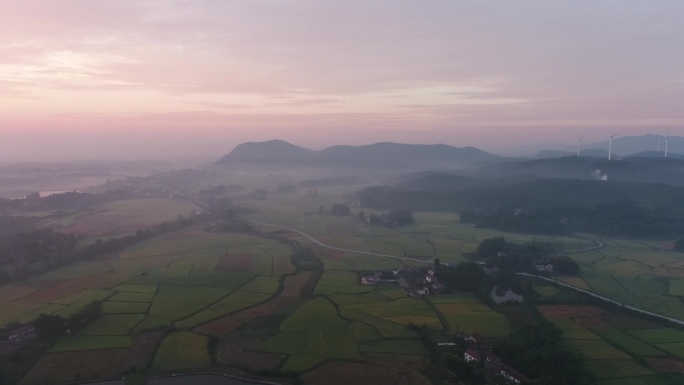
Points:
[(639, 273), (619, 348), (172, 281), (170, 300), (121, 217)]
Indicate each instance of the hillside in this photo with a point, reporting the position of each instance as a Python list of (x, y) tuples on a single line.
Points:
[(266, 152), (623, 146), (643, 169), (393, 156)]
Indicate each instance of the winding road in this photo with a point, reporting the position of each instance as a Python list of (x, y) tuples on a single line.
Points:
[(605, 299), (319, 243), (594, 295)]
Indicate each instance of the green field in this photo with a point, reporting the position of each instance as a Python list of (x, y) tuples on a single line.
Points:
[(335, 282), (357, 299), (659, 336), (10, 293), (474, 318), (136, 288), (393, 294), (180, 280), (267, 285), (626, 342), (676, 348), (75, 343), (79, 300), (412, 346), (315, 315), (617, 369), (364, 332), (233, 302), (454, 298), (337, 342), (182, 350), (402, 312), (112, 325), (386, 328), (546, 291), (124, 307), (151, 323), (676, 287), (24, 312), (178, 302), (132, 297), (571, 330), (297, 364), (597, 350)]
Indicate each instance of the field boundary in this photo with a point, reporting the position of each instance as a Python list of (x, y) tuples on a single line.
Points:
[(319, 243), (605, 299)]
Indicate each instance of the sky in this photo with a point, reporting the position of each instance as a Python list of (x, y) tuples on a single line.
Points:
[(136, 79)]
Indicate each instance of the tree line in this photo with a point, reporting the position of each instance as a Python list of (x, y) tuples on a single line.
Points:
[(545, 206)]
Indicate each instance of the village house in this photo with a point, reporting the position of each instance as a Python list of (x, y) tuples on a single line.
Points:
[(492, 363), (512, 375), (438, 288), (369, 280), (548, 268), (21, 332), (417, 281), (476, 338), (486, 357), (471, 355)]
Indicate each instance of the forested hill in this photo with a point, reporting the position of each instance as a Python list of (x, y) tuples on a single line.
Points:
[(379, 155), (646, 169), (545, 206)]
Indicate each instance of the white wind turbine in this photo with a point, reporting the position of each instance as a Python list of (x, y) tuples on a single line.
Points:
[(579, 145), (667, 141), (610, 145)]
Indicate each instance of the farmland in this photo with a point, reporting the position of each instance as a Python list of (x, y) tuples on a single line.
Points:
[(182, 350), (120, 217), (617, 346), (150, 286), (201, 298)]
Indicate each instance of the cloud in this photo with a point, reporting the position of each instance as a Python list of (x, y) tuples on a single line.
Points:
[(383, 63)]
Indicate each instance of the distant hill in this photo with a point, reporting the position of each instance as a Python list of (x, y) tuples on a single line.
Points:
[(266, 152), (560, 154), (655, 154), (634, 169), (394, 156), (623, 146)]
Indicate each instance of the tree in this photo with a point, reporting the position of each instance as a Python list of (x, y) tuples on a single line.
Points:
[(340, 209), (464, 277), (399, 218), (491, 247), (539, 352), (49, 327)]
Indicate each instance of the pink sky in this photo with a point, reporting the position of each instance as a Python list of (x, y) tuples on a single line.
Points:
[(86, 79)]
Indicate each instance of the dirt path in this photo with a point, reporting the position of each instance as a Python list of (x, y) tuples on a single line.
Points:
[(319, 243)]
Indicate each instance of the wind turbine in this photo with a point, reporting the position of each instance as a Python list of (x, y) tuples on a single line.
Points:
[(610, 145), (579, 144), (667, 141)]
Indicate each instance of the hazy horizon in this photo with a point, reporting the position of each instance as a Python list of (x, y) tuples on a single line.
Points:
[(149, 80)]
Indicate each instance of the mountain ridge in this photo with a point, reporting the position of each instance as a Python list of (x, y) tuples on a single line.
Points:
[(376, 155)]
